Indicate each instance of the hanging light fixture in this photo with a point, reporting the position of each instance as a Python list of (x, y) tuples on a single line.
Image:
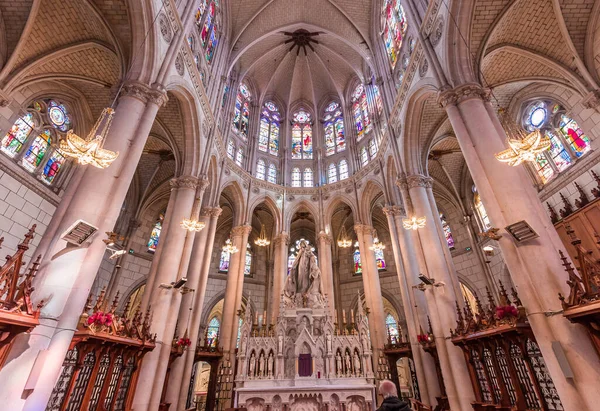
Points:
[(262, 240), (377, 245), (523, 147), (90, 150), (343, 240), (192, 225), (229, 247), (414, 223)]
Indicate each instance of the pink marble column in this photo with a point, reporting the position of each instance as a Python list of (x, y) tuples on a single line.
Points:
[(67, 277), (235, 280), (165, 302), (325, 264), (535, 268), (200, 262), (372, 287), (280, 250), (442, 299), (408, 272)]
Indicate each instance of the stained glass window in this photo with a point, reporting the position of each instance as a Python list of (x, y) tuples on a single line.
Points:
[(155, 234), (52, 166), (224, 261), (360, 111), (483, 216), (331, 173), (241, 112), (212, 331), (447, 232), (343, 169), (260, 169), (268, 136), (230, 149), (364, 156), (296, 178), (225, 93), (372, 148), (579, 142), (380, 259), (392, 328), (272, 174), (248, 261), (308, 177), (210, 27), (394, 29), (57, 113), (36, 151), (302, 147), (557, 152), (335, 139), (16, 136), (239, 157), (378, 103), (357, 262)]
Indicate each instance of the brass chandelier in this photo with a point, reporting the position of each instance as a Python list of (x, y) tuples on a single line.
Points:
[(343, 240), (262, 240), (229, 247), (414, 223), (523, 147), (192, 225), (90, 150), (377, 245)]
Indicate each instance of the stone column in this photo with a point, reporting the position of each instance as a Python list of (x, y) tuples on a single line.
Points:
[(235, 279), (165, 302), (372, 287), (441, 299), (67, 277), (408, 272), (280, 250), (326, 266), (534, 266)]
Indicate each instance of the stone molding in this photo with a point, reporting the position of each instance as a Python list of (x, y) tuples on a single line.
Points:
[(463, 93), (211, 212), (145, 93), (203, 183), (188, 182), (417, 180), (241, 230), (394, 211)]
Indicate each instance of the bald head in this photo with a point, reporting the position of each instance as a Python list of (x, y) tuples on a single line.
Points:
[(387, 389)]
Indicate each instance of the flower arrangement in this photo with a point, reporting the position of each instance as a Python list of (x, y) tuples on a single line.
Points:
[(183, 342), (101, 319), (424, 338), (506, 311)]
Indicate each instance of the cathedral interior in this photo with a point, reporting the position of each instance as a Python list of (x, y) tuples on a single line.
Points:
[(274, 205)]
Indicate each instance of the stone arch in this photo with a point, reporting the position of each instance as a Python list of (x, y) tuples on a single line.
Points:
[(373, 189), (289, 214), (337, 201), (234, 197), (271, 206)]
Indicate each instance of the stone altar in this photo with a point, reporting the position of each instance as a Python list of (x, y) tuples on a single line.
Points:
[(311, 366)]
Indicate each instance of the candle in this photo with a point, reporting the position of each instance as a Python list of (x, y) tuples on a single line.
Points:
[(256, 317), (352, 316), (344, 316), (264, 317), (260, 319)]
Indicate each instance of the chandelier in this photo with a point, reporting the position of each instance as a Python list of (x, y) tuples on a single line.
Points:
[(377, 245), (192, 225), (262, 240), (522, 147), (229, 247), (414, 223), (89, 150), (343, 240)]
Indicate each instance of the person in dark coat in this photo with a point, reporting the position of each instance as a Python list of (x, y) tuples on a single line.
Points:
[(391, 402)]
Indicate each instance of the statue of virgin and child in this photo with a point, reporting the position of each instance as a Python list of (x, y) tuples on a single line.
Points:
[(303, 284)]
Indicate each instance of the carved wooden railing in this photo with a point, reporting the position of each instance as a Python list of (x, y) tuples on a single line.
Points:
[(505, 364), (17, 314), (101, 367), (582, 305)]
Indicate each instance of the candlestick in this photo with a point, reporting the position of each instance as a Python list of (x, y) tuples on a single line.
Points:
[(264, 317), (352, 315), (344, 316)]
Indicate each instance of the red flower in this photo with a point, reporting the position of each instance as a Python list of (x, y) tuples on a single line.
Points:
[(183, 342), (506, 311)]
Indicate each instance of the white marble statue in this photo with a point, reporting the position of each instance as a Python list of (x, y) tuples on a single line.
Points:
[(270, 365), (305, 276), (338, 364), (252, 365), (280, 344), (348, 364), (261, 365), (356, 364), (328, 343)]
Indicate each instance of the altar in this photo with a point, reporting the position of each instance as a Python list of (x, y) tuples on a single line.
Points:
[(304, 362)]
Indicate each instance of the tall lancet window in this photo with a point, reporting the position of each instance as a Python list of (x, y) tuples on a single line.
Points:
[(302, 147), (360, 111), (392, 328), (357, 260), (335, 138), (272, 174), (260, 169), (343, 169), (155, 234), (241, 113), (207, 21), (447, 232), (480, 210), (268, 134), (331, 173), (394, 29), (296, 177), (308, 177)]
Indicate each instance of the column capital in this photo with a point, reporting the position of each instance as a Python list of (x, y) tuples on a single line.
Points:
[(591, 100), (145, 93), (203, 182), (362, 229), (189, 182), (462, 93), (282, 238), (211, 212), (418, 180), (323, 236), (241, 230), (393, 211)]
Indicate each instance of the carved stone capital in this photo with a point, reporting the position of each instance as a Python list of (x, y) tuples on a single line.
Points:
[(363, 229), (402, 183), (145, 93), (211, 212), (203, 183), (394, 211), (188, 182), (241, 230), (323, 236), (417, 180), (591, 100), (281, 239), (462, 93)]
